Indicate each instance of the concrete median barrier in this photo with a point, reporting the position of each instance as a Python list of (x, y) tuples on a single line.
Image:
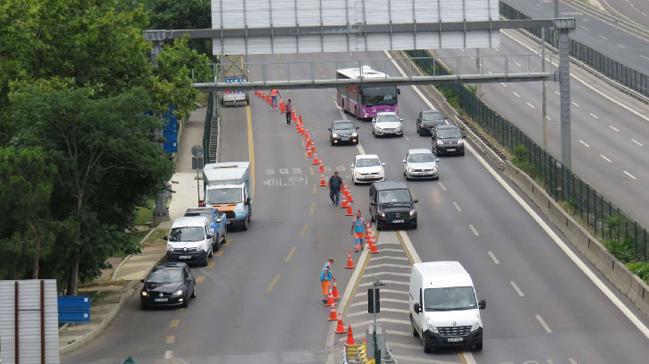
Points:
[(636, 290)]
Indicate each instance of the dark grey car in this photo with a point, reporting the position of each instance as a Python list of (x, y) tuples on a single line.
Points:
[(343, 132), (428, 119), (447, 139)]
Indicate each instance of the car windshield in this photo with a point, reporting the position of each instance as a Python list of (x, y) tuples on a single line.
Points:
[(432, 118), (224, 195), (343, 126), (164, 276), (189, 233), (367, 162), (379, 96), (421, 158), (449, 299), (389, 118), (450, 133), (394, 196)]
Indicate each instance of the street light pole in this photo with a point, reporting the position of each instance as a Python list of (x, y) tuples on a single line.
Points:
[(544, 107)]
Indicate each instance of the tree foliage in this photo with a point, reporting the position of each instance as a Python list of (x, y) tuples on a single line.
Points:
[(77, 154)]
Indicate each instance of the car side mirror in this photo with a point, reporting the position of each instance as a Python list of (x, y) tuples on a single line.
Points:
[(329, 129), (219, 220), (165, 237), (383, 164), (351, 166), (463, 136), (141, 280), (358, 127), (415, 201), (482, 304), (401, 119), (403, 161), (248, 200), (210, 236), (372, 203), (417, 307), (398, 91), (437, 160)]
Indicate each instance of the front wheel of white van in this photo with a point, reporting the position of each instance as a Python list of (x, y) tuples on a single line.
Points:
[(428, 345)]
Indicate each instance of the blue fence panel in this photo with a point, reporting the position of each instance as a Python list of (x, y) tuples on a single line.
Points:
[(74, 309), (170, 132)]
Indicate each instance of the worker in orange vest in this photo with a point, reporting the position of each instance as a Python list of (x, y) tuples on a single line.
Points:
[(274, 95)]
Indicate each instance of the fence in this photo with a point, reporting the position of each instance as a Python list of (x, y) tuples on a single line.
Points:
[(605, 219), (210, 133), (626, 76)]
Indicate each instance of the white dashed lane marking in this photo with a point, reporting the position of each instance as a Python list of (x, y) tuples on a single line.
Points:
[(584, 143), (530, 105), (630, 175), (516, 94), (518, 290), (543, 323), (594, 116), (493, 257), (457, 207), (605, 158), (614, 128), (473, 229), (637, 142)]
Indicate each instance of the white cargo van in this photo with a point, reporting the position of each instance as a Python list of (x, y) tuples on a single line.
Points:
[(444, 309), (227, 187)]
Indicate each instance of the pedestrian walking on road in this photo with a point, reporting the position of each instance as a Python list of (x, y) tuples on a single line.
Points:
[(274, 96), (358, 230), (289, 111), (335, 183), (326, 277)]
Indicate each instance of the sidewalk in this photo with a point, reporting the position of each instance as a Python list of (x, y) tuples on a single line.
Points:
[(114, 288)]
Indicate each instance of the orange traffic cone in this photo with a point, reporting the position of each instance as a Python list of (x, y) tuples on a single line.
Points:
[(350, 336), (309, 152), (374, 249), (333, 316), (349, 196), (345, 203), (294, 116), (350, 261), (299, 119), (323, 182), (350, 211), (331, 301), (316, 161), (340, 328), (321, 168), (282, 107), (334, 291), (313, 148)]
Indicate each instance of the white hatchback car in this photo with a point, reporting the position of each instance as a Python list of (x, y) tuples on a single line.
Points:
[(387, 123), (420, 163), (367, 168)]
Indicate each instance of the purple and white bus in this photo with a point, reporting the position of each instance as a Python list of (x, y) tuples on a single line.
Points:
[(365, 101)]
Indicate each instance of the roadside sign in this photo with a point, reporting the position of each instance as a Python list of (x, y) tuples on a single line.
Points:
[(197, 150), (74, 309)]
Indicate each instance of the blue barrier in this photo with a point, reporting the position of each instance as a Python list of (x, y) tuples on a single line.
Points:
[(74, 309)]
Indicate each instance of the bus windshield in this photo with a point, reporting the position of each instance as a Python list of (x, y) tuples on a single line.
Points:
[(379, 95)]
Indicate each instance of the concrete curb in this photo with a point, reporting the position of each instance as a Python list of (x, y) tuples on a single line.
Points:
[(114, 275), (630, 285), (130, 290)]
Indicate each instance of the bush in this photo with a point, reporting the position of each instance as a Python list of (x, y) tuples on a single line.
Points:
[(521, 161), (622, 250), (641, 269)]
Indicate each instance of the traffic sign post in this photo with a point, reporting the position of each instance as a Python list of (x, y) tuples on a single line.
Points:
[(197, 164), (374, 307)]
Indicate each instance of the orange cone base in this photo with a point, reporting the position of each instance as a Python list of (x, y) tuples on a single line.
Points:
[(333, 316), (349, 211), (374, 249), (340, 328), (350, 261)]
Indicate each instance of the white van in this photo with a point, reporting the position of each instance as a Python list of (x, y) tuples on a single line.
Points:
[(444, 309), (190, 240)]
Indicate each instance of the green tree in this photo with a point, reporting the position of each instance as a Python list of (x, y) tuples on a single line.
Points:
[(106, 162), (26, 234), (187, 14)]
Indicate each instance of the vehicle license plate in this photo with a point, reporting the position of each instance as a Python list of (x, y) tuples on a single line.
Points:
[(451, 149), (161, 299), (185, 257), (397, 221), (455, 339), (344, 138)]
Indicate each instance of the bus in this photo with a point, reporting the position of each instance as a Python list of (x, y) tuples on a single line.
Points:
[(365, 101)]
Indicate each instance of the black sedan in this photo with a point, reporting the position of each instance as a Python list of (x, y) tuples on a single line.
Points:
[(169, 284), (427, 120), (343, 131)]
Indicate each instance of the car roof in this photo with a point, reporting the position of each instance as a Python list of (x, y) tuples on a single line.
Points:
[(431, 111), (367, 156), (190, 221), (171, 265), (446, 126), (390, 185), (200, 209), (419, 151), (443, 274), (386, 113), (342, 121)]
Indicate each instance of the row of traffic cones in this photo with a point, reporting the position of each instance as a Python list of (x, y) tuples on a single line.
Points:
[(346, 204)]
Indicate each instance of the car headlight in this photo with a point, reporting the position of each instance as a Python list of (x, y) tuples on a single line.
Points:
[(179, 292), (145, 294), (354, 134), (335, 135), (381, 213), (409, 169), (431, 327), (434, 169), (413, 212), (169, 248), (440, 142), (476, 325), (460, 141)]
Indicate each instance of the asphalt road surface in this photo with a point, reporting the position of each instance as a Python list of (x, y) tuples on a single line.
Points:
[(603, 37), (259, 301), (635, 10)]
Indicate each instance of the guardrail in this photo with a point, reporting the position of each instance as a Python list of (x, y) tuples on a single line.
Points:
[(626, 76), (605, 219), (211, 130)]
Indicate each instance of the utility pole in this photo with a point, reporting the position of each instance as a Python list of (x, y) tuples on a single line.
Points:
[(544, 106), (563, 27)]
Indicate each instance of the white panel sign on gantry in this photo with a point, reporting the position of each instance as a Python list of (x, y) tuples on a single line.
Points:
[(304, 26)]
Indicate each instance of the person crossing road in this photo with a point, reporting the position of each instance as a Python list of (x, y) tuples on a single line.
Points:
[(335, 184)]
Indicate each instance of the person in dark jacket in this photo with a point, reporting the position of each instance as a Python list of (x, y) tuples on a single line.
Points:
[(335, 184), (289, 111)]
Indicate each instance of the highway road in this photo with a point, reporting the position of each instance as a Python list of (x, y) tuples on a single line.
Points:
[(609, 142), (634, 10), (605, 38), (259, 301)]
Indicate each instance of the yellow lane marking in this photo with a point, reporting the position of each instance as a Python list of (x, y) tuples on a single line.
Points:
[(171, 339), (305, 228), (200, 279), (219, 253), (315, 190), (290, 255), (251, 147), (312, 209), (210, 265), (174, 323), (273, 283)]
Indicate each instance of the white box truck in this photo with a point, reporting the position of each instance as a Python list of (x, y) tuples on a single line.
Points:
[(227, 187), (444, 309)]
